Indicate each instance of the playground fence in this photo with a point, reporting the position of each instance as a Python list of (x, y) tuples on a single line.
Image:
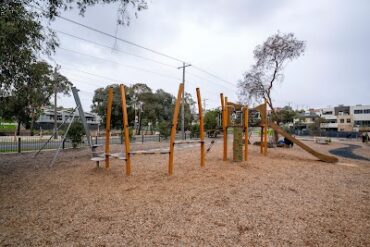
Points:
[(11, 144), (332, 134)]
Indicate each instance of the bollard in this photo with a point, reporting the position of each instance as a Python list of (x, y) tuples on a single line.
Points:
[(19, 145)]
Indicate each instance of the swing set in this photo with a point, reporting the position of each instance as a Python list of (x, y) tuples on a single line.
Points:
[(128, 152)]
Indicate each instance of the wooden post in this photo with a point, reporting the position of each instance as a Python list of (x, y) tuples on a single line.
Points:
[(224, 126), (173, 129), (246, 119), (107, 126), (266, 128), (125, 129), (227, 113), (201, 128)]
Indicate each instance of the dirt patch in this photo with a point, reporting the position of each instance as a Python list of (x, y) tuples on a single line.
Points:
[(287, 198)]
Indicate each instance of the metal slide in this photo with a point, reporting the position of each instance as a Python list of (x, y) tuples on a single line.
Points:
[(320, 156)]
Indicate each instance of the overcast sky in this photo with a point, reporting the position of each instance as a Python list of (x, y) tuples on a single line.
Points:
[(219, 36)]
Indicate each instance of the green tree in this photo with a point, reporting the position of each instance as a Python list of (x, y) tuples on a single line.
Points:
[(211, 120), (28, 96), (194, 130), (125, 9), (76, 133), (315, 127), (189, 108), (22, 36), (149, 107), (271, 58), (164, 129), (285, 115)]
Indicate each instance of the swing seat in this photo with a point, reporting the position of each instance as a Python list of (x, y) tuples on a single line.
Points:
[(94, 146), (188, 142), (151, 151), (120, 156), (97, 159)]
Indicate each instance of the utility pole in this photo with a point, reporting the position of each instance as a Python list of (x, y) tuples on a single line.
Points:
[(183, 100), (204, 103), (55, 77), (55, 112)]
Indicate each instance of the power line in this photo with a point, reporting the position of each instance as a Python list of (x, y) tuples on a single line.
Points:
[(96, 75), (115, 49), (131, 54), (213, 75), (204, 79), (137, 45), (120, 39), (125, 65)]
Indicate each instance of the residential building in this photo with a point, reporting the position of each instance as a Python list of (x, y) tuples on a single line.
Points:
[(46, 119), (346, 118), (361, 117), (305, 119)]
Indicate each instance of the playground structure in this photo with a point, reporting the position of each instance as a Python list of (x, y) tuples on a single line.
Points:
[(127, 155), (72, 115), (237, 116)]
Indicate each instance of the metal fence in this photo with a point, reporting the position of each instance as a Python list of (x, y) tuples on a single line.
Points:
[(33, 144), (338, 134)]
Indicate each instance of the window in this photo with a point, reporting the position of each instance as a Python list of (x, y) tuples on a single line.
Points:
[(358, 111), (342, 121), (367, 111), (348, 120), (327, 113), (362, 123)]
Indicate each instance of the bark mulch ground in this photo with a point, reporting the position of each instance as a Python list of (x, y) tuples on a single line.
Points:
[(285, 199)]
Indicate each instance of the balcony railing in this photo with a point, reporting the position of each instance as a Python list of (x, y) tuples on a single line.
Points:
[(328, 125)]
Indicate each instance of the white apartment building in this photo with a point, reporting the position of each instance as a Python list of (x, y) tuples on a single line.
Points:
[(361, 117), (46, 119), (346, 118)]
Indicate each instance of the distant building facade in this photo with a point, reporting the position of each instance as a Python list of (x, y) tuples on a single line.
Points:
[(46, 119), (346, 118)]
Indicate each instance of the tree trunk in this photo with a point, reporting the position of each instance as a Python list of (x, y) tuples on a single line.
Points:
[(19, 127), (32, 127), (139, 127), (276, 134)]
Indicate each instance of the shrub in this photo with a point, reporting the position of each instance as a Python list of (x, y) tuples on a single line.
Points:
[(211, 120), (164, 129), (194, 130), (75, 133)]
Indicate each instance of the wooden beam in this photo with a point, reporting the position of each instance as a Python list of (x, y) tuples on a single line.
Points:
[(261, 139), (266, 129), (107, 126), (224, 126), (201, 129), (246, 119), (125, 129), (227, 125), (173, 129)]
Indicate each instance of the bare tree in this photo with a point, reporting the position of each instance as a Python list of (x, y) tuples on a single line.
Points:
[(271, 58)]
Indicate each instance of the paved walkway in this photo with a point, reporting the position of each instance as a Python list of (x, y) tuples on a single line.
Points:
[(347, 152)]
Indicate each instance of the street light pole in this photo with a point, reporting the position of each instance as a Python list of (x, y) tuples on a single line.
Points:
[(183, 100)]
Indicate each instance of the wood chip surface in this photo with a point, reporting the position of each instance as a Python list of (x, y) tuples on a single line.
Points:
[(285, 199)]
